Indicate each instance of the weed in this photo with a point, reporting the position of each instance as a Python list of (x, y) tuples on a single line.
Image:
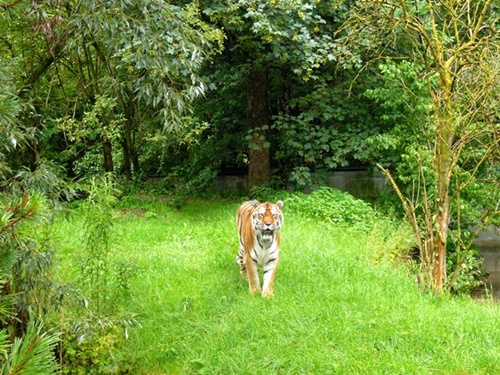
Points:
[(93, 332)]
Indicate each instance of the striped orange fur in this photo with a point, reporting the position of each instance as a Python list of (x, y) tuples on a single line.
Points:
[(259, 227)]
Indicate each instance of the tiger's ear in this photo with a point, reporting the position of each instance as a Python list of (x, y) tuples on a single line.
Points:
[(279, 204)]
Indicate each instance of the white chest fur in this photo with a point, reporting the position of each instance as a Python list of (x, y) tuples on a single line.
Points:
[(265, 250)]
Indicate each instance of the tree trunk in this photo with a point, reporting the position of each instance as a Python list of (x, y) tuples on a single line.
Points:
[(108, 156), (127, 165), (443, 167), (127, 150), (443, 171), (130, 157), (259, 165), (441, 212)]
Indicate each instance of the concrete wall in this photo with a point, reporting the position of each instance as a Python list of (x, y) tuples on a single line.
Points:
[(232, 183), (361, 184), (488, 238)]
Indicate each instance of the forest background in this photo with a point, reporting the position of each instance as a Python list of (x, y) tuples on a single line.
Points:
[(284, 91)]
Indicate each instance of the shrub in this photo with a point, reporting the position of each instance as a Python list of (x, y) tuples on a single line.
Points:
[(332, 206), (465, 269)]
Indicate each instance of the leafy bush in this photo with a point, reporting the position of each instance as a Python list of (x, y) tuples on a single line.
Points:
[(332, 206), (94, 346), (86, 136), (191, 180), (466, 270), (47, 179), (393, 242), (330, 130)]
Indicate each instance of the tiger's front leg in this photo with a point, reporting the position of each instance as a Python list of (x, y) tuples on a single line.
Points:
[(252, 275), (269, 274)]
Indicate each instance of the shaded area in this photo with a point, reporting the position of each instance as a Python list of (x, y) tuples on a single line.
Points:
[(490, 251)]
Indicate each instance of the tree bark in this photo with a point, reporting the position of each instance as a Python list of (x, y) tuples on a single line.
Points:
[(443, 166), (130, 156), (108, 157), (127, 150), (258, 116)]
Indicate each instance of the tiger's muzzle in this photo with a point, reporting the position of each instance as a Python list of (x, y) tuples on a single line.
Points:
[(268, 232)]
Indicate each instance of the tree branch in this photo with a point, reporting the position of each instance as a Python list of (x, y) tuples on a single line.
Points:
[(11, 5)]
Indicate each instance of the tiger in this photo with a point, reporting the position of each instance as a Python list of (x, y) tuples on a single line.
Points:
[(259, 227)]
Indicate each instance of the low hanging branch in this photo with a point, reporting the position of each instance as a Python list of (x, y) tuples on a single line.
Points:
[(408, 206)]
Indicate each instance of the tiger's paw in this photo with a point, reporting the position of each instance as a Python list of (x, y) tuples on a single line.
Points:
[(255, 290), (267, 293)]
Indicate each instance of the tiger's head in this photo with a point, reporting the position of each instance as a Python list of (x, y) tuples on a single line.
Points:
[(267, 218)]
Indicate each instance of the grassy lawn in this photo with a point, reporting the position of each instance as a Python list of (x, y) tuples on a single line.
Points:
[(335, 310)]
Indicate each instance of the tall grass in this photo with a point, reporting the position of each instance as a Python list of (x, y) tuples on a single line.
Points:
[(335, 310)]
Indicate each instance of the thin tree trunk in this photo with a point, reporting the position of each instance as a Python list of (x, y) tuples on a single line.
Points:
[(130, 157), (259, 168), (41, 69), (127, 163), (443, 166), (441, 212), (108, 156)]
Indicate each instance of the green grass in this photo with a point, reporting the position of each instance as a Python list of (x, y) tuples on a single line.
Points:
[(335, 310)]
